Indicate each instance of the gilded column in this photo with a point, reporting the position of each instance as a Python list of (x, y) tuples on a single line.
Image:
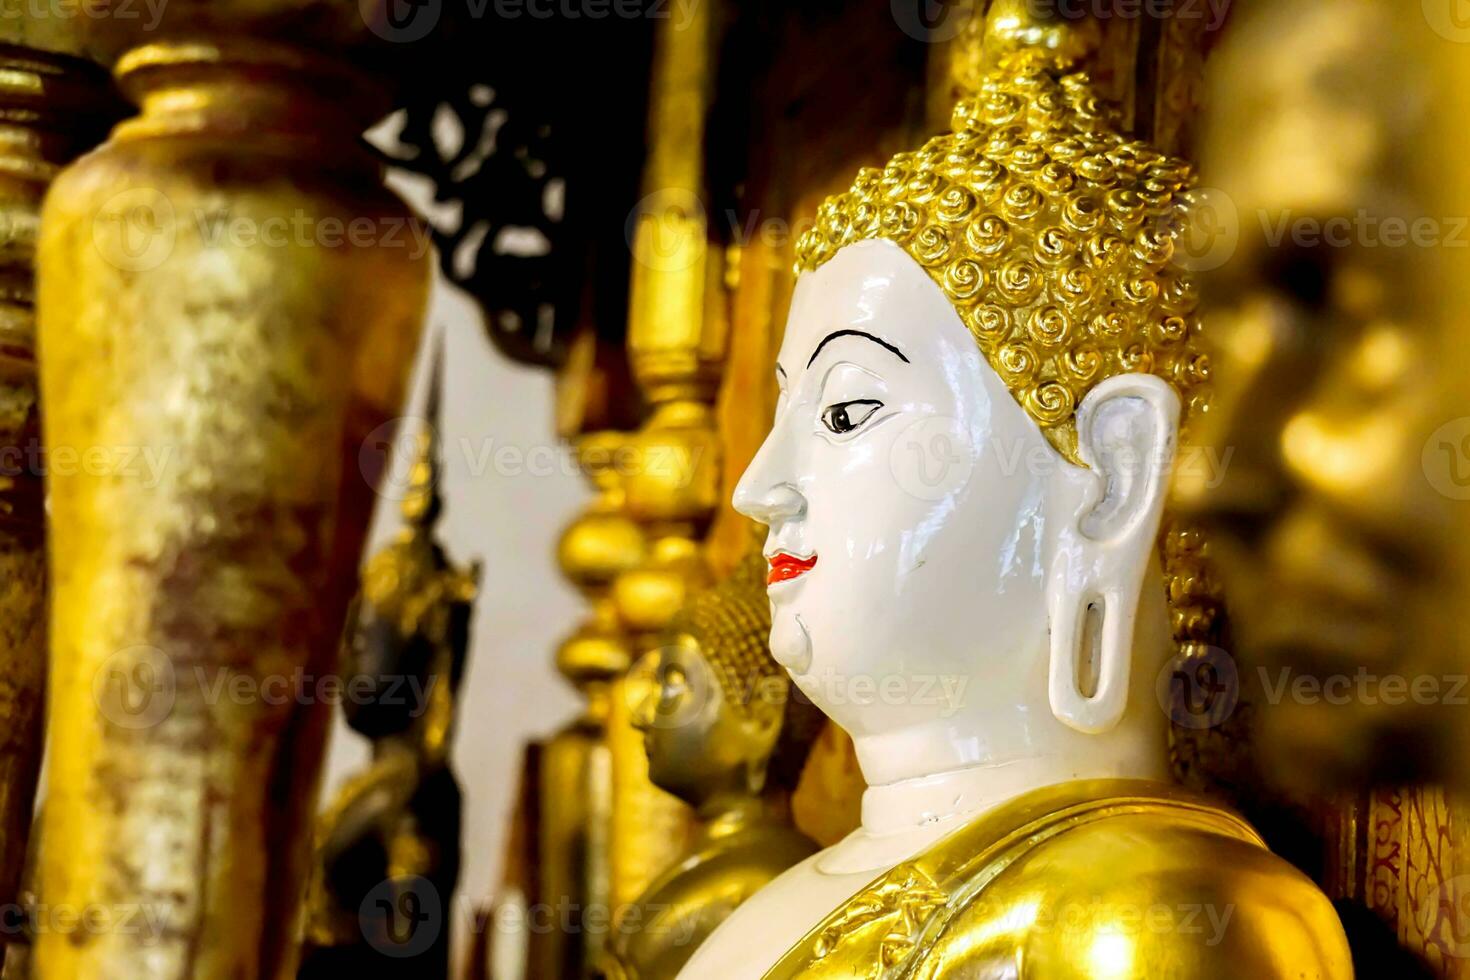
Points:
[(576, 767), (677, 326), (229, 299), (53, 105)]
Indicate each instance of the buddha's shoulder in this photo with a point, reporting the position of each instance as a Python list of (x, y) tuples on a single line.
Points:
[(1140, 893), (1117, 879), (656, 935), (740, 863)]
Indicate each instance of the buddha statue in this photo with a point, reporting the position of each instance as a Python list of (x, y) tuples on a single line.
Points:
[(388, 843), (1337, 319), (987, 362), (724, 734)]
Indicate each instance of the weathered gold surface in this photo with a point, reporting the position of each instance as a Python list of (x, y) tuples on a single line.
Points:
[(253, 370), (51, 107), (723, 734), (1088, 880)]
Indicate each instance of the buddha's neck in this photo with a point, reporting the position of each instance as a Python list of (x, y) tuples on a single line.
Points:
[(965, 793), (922, 776), (1000, 744)]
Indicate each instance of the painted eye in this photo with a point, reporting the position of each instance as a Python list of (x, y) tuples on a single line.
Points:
[(846, 416)]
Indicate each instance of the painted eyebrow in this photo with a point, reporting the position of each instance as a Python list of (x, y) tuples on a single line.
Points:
[(856, 333)]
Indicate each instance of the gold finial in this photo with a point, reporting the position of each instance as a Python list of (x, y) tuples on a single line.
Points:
[(423, 502), (1011, 26)]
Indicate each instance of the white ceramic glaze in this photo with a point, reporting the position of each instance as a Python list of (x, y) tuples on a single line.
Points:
[(944, 623)]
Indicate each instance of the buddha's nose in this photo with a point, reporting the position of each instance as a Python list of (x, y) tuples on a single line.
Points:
[(766, 492)]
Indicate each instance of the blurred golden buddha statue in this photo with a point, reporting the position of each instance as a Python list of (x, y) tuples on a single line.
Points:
[(723, 733), (1338, 283), (387, 847)]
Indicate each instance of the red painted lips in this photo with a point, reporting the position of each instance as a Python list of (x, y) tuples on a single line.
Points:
[(786, 567)]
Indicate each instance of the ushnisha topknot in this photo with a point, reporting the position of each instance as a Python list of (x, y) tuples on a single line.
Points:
[(1052, 234)]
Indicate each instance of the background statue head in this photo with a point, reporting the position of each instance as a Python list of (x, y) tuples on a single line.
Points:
[(721, 722), (984, 371), (1335, 144)]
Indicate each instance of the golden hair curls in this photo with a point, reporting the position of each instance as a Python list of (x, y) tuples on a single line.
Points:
[(1051, 234)]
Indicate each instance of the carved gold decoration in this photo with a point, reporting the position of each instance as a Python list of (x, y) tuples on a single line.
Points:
[(902, 900), (259, 365), (1097, 878)]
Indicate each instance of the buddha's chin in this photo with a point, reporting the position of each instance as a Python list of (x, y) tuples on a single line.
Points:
[(791, 645)]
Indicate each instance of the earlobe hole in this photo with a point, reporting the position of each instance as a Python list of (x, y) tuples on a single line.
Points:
[(1089, 659)]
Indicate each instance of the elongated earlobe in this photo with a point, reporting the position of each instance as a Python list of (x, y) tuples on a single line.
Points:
[(1091, 658), (1126, 429)]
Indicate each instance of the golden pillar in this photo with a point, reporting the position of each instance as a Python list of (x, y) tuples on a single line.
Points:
[(575, 771), (228, 302), (677, 332), (53, 105)]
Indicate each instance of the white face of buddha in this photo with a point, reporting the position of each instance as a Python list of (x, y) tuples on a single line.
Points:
[(927, 545), (905, 492)]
